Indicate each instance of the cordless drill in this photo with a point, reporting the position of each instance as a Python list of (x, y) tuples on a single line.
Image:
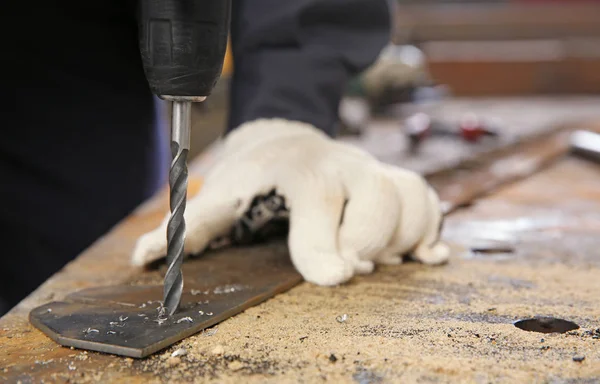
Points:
[(183, 45)]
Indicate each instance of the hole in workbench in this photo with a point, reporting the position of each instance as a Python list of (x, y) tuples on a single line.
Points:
[(546, 325)]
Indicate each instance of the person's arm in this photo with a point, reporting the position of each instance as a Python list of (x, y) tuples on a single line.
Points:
[(294, 58)]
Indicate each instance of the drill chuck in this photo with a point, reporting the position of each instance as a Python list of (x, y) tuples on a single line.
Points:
[(182, 45)]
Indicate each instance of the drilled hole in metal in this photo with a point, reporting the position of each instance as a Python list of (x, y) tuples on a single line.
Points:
[(546, 325)]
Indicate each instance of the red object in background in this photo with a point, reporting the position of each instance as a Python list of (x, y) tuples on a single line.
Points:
[(471, 127)]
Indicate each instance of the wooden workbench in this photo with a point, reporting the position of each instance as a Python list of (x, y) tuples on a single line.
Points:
[(404, 324)]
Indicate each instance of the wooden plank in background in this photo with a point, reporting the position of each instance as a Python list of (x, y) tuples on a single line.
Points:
[(496, 21), (517, 67)]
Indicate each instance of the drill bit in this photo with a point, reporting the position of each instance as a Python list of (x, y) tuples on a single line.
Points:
[(178, 181)]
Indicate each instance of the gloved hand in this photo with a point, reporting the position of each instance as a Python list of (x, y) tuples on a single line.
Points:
[(347, 209)]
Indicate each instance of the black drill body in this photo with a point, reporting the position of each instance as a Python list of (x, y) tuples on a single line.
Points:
[(183, 44)]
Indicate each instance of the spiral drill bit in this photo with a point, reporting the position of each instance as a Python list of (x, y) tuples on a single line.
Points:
[(178, 180)]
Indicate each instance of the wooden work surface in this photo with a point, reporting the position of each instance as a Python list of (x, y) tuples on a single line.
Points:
[(404, 324)]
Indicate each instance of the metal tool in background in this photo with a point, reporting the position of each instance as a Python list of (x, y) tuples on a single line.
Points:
[(182, 45), (470, 128), (586, 144), (398, 78)]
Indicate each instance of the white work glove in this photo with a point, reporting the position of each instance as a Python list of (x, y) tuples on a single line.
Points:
[(347, 210)]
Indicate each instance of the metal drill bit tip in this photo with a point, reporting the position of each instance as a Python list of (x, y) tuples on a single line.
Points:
[(178, 181)]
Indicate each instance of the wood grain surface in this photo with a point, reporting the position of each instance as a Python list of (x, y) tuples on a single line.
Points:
[(405, 323)]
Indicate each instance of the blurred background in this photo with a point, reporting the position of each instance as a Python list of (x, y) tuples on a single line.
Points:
[(461, 52)]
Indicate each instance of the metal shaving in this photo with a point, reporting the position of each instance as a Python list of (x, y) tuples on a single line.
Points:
[(123, 318), (228, 289), (126, 304), (179, 352), (342, 319), (186, 319), (111, 333), (162, 311), (209, 313), (116, 324), (162, 314), (44, 362), (201, 312), (90, 330)]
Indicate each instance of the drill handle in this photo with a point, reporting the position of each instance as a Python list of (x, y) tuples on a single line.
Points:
[(183, 44)]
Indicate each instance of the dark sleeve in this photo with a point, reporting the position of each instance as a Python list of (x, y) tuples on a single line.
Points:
[(293, 58), (79, 150)]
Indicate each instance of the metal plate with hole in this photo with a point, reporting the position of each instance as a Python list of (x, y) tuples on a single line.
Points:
[(125, 320)]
